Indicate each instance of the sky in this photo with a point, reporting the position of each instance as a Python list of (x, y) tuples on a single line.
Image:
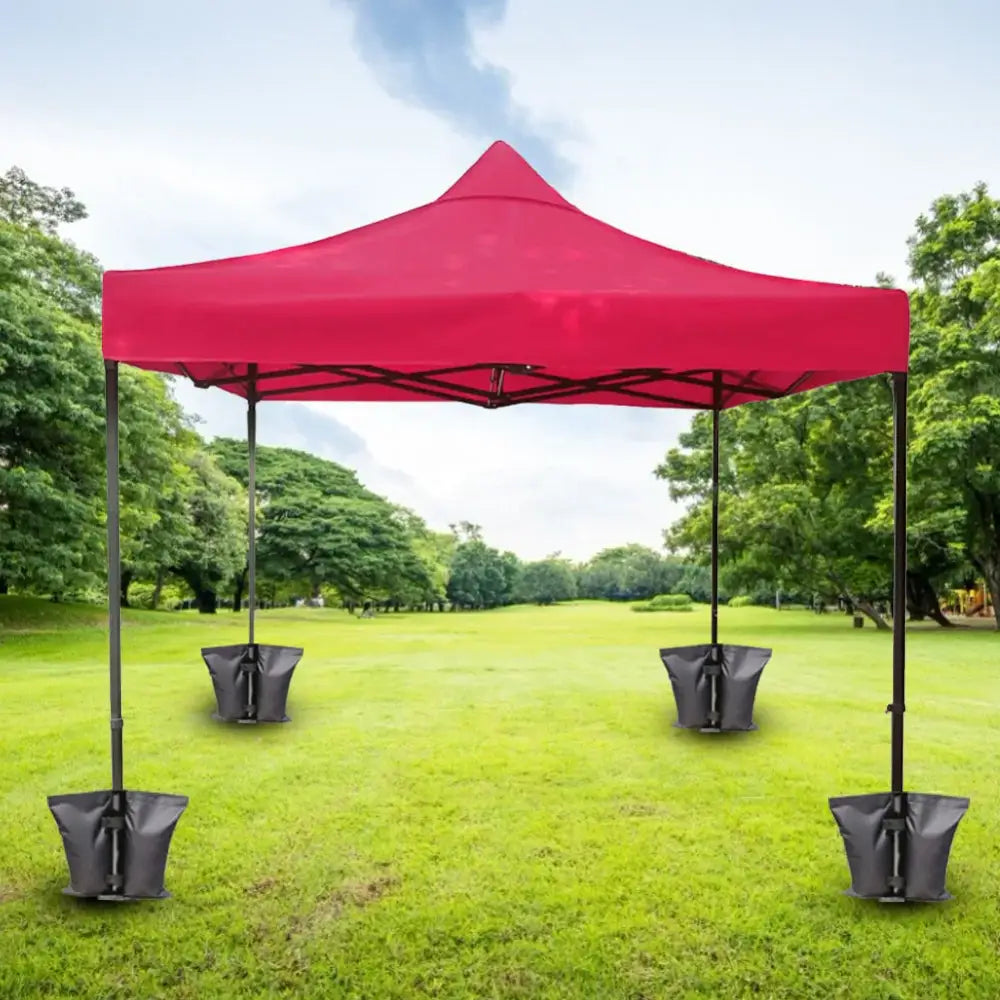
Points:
[(784, 137)]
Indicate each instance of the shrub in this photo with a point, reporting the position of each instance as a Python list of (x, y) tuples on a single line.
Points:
[(670, 601), (666, 602), (649, 607), (140, 595), (741, 601)]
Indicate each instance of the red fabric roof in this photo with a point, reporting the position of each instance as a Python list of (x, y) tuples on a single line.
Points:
[(453, 299)]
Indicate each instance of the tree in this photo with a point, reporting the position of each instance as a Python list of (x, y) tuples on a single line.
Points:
[(480, 577), (52, 468), (434, 550), (319, 525), (628, 572), (511, 569), (955, 401), (51, 431), (28, 204), (157, 442), (546, 582), (466, 531), (214, 542)]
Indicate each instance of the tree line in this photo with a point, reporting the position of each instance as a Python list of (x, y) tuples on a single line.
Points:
[(806, 481)]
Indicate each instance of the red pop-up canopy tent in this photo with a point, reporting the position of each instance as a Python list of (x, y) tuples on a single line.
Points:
[(499, 271), (499, 292)]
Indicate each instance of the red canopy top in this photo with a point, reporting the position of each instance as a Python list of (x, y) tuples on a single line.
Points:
[(498, 292)]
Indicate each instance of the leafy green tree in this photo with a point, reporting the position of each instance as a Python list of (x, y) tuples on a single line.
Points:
[(511, 570), (434, 550), (480, 577), (157, 442), (51, 431), (30, 205), (696, 582), (547, 581), (318, 524), (628, 572), (214, 540), (955, 402), (466, 531), (52, 469)]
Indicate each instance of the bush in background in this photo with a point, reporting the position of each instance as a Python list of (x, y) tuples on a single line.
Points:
[(666, 602)]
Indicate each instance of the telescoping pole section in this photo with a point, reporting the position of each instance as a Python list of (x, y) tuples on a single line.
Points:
[(713, 665), (114, 575), (716, 403), (252, 536), (898, 706), (252, 491), (114, 617)]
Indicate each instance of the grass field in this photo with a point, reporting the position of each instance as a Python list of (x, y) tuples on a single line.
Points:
[(495, 805)]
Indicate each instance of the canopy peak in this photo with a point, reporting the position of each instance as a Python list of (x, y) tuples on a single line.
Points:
[(501, 172)]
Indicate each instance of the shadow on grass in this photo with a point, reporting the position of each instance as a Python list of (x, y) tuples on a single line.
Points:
[(896, 913), (667, 719), (203, 714), (50, 898)]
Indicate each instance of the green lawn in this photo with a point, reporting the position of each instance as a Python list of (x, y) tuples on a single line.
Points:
[(495, 805)]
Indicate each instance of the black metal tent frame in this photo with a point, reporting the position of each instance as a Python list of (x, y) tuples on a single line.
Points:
[(434, 383)]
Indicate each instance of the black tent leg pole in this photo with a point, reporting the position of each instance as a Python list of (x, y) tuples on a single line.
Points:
[(114, 621), (715, 518), (115, 841), (897, 845), (898, 706), (252, 526), (714, 662), (251, 680)]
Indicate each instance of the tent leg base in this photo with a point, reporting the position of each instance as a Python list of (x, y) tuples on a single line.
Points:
[(116, 842), (238, 722), (898, 844), (251, 681), (715, 685), (250, 722), (112, 898)]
